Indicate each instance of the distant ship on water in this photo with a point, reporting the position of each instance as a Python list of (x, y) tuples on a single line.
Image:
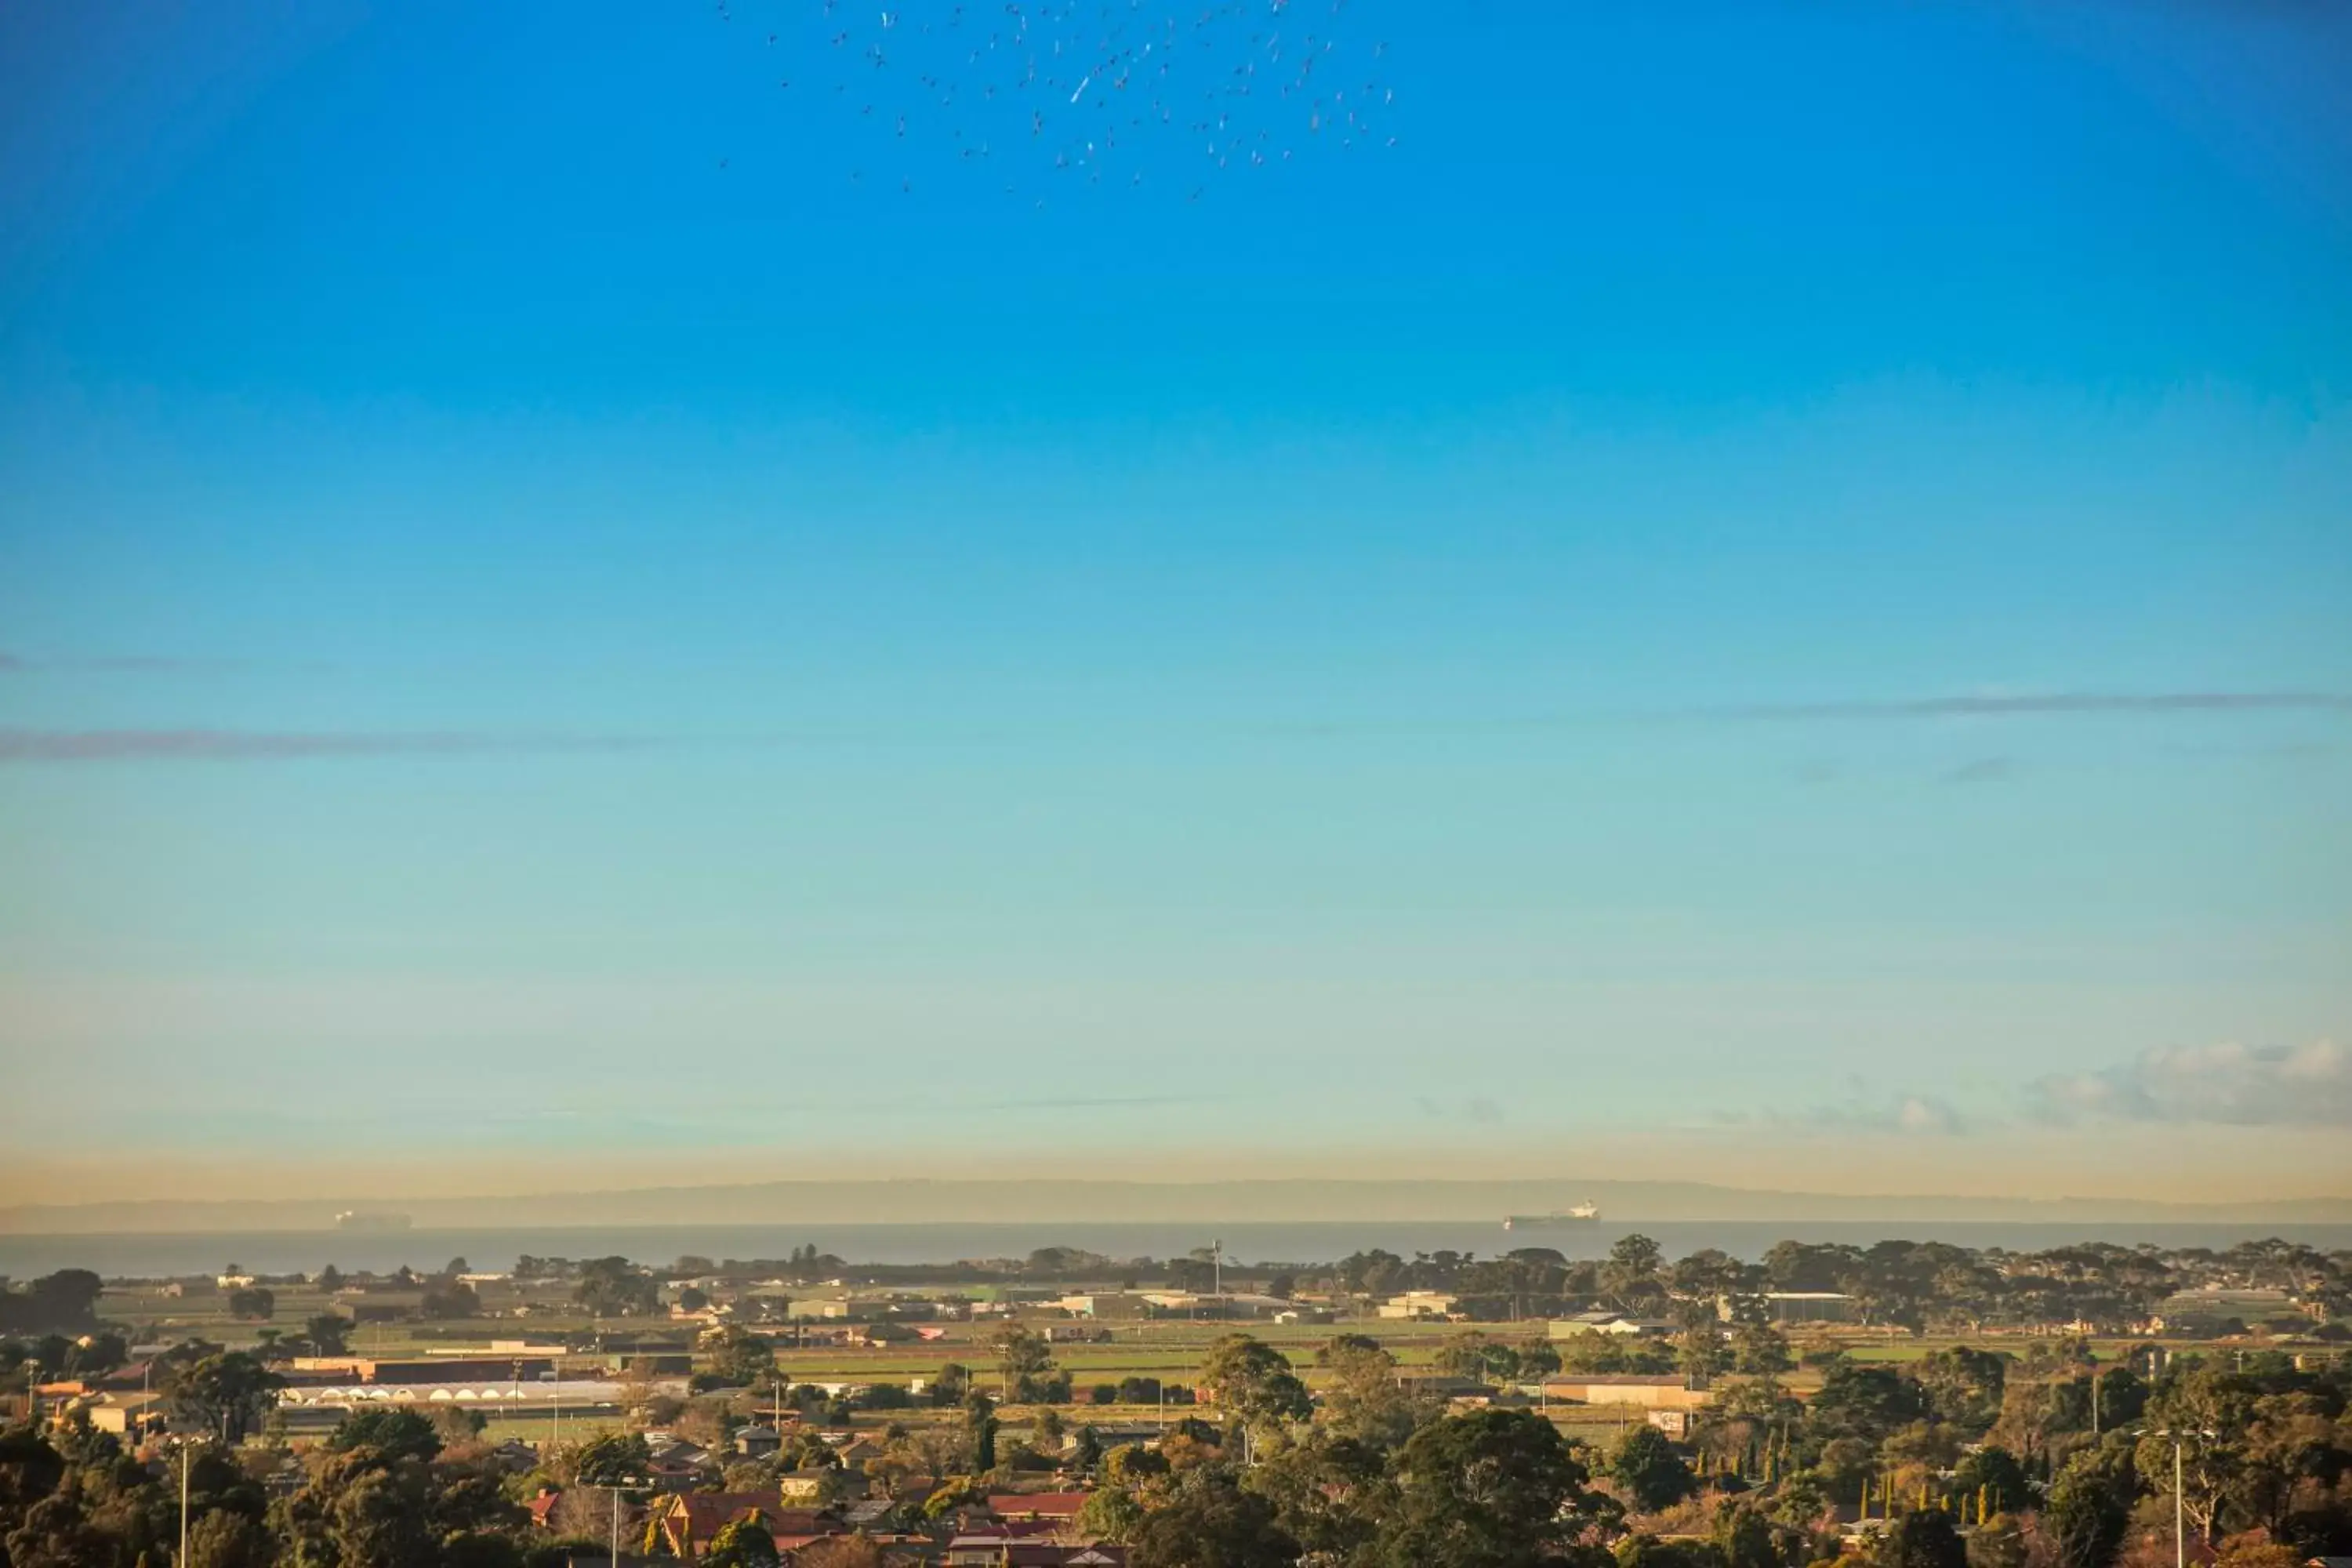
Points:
[(1582, 1213), (354, 1219)]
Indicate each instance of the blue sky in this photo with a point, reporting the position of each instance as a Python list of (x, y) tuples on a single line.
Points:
[(1762, 593)]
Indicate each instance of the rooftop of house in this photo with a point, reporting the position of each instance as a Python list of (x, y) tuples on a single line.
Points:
[(707, 1514), (1036, 1505)]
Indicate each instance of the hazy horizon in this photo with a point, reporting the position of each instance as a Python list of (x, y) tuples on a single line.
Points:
[(263, 1201)]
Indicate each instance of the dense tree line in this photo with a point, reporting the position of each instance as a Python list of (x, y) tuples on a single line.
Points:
[(389, 1490), (1921, 1285), (1965, 1458), (1906, 1284)]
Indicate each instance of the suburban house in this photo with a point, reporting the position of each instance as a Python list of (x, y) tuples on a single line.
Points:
[(678, 1467), (1415, 1304), (126, 1414), (852, 1450), (688, 1520)]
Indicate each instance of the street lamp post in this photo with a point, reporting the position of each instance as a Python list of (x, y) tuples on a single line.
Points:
[(2179, 1437), (2180, 1515), (186, 1445)]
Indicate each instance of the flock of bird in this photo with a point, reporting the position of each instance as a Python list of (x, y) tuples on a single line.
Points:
[(1035, 95)]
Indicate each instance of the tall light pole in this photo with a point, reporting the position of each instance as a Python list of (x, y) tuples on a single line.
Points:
[(186, 1444), (2180, 1440), (2179, 1516)]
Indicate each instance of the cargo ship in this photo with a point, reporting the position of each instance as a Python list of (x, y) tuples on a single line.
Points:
[(1582, 1213), (354, 1219)]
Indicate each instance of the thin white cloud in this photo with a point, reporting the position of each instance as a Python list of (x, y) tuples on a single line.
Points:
[(196, 744), (246, 745), (1902, 1115), (2048, 705), (2228, 1083)]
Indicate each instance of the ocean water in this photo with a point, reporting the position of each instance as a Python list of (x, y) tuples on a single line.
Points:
[(287, 1252)]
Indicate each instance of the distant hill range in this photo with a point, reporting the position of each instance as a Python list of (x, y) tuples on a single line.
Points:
[(917, 1201)]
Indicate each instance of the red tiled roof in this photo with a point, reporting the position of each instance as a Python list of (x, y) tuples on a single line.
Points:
[(1018, 1528), (707, 1514), (790, 1542), (798, 1521), (1036, 1505)]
